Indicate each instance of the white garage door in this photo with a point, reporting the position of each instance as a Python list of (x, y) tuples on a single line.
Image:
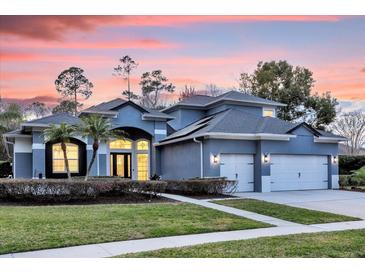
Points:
[(298, 172), (238, 167)]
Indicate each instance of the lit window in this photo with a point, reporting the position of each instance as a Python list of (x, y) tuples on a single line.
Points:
[(120, 144), (268, 113), (58, 161), (142, 145), (142, 166)]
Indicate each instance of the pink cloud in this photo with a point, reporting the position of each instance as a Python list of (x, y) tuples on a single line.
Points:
[(145, 43), (56, 27)]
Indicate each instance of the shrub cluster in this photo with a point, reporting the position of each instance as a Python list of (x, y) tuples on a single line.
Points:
[(58, 190), (347, 164), (357, 178), (201, 186)]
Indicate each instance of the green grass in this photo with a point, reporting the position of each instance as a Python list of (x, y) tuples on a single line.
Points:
[(40, 227), (284, 212), (342, 244)]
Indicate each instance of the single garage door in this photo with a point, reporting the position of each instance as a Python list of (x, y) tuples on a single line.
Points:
[(238, 167), (298, 172)]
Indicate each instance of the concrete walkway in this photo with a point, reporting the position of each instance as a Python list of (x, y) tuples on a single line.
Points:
[(123, 247), (231, 210)]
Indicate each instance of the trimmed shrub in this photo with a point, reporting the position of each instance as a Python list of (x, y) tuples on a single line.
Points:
[(344, 180), (347, 164), (201, 186), (5, 169), (58, 190)]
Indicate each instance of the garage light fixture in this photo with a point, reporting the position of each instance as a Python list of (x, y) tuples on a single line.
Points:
[(215, 159), (266, 158), (334, 159)]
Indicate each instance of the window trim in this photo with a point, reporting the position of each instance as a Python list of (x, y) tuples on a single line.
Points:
[(77, 159), (268, 109), (142, 150)]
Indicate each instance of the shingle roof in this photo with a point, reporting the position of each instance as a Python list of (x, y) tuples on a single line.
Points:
[(205, 101), (198, 100), (56, 119), (240, 96), (239, 122), (111, 105), (107, 106)]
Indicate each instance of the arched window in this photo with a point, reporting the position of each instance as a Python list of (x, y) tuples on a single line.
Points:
[(120, 144), (142, 145), (58, 161)]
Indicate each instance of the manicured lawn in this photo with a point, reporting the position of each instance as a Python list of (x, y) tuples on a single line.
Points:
[(29, 228), (284, 212), (342, 244)]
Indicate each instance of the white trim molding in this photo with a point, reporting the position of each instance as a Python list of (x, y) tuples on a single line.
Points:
[(160, 131), (38, 146), (232, 136), (335, 182), (329, 139), (265, 183)]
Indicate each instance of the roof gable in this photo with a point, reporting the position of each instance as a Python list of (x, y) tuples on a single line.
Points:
[(54, 119), (203, 101), (307, 127)]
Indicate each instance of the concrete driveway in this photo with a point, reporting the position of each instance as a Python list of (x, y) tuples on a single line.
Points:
[(335, 201)]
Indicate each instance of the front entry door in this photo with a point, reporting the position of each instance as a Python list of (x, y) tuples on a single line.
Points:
[(120, 164)]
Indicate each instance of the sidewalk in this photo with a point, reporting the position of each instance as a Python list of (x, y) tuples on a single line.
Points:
[(104, 250)]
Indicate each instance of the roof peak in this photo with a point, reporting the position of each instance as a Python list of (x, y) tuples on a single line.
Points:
[(202, 101)]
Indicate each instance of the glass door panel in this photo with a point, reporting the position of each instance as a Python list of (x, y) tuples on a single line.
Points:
[(120, 164)]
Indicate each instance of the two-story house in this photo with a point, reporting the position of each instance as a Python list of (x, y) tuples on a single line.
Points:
[(234, 135)]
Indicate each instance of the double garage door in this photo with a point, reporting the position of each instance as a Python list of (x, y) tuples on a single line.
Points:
[(288, 172)]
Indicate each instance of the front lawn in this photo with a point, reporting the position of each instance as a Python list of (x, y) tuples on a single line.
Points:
[(342, 244), (284, 212), (24, 228)]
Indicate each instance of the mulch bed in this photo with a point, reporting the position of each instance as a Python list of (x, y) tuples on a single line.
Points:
[(354, 188), (140, 199)]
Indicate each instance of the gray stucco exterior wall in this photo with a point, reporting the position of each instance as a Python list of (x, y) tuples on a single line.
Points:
[(23, 165), (180, 161), (184, 117), (250, 109)]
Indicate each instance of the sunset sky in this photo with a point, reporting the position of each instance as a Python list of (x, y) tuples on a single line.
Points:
[(190, 50)]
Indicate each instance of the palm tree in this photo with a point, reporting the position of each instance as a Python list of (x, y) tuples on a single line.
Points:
[(99, 129), (61, 134)]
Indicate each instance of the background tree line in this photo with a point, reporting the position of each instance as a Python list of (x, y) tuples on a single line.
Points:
[(275, 80)]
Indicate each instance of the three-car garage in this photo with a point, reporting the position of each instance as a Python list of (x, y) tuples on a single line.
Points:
[(287, 172)]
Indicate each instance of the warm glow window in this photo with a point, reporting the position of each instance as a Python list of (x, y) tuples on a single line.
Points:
[(268, 113), (120, 144), (142, 166), (58, 161), (142, 145)]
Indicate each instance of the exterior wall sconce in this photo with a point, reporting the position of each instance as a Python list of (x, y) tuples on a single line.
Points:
[(215, 159), (266, 158), (334, 159)]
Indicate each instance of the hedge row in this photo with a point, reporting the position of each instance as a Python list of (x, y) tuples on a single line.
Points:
[(347, 164), (201, 186), (76, 190), (60, 190)]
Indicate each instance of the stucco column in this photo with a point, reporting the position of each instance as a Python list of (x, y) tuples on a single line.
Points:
[(38, 155), (333, 171), (89, 155), (262, 169)]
